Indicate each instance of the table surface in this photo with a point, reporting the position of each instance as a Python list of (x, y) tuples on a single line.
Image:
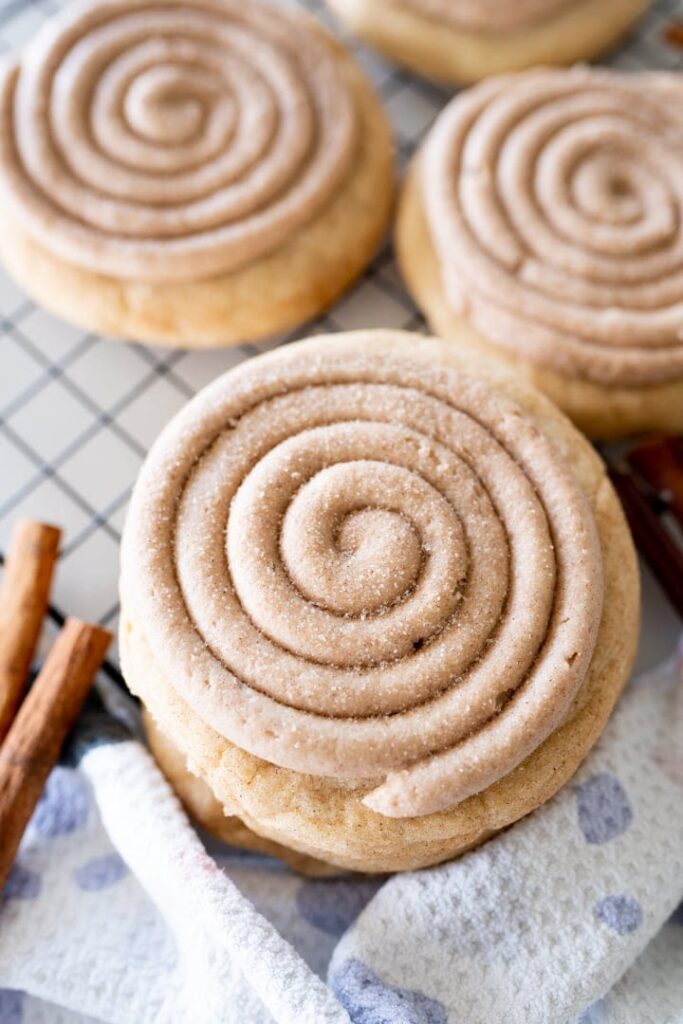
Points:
[(78, 412)]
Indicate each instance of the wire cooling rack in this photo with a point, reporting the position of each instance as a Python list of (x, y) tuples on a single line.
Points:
[(78, 412)]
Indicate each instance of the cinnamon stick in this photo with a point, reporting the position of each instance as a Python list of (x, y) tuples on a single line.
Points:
[(660, 462), (673, 33), (651, 536), (34, 741), (24, 597)]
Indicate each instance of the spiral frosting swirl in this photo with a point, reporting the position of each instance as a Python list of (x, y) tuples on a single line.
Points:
[(555, 203), (366, 568), (167, 141), (489, 16)]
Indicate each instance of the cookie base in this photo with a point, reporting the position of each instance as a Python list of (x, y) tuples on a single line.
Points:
[(578, 32)]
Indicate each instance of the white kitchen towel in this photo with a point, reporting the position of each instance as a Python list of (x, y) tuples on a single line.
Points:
[(115, 912)]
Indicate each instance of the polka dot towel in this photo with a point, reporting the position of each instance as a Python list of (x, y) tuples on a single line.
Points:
[(115, 912)]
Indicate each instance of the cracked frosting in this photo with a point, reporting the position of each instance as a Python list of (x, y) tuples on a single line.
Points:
[(172, 141), (367, 569), (488, 16), (555, 204)]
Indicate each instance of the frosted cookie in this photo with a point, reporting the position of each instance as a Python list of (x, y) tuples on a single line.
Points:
[(462, 41), (380, 595), (543, 221), (198, 174)]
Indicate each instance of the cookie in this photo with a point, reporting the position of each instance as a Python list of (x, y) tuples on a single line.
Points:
[(194, 177), (542, 221), (379, 593), (463, 41)]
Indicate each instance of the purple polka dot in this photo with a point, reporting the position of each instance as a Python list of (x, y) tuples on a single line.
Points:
[(22, 884), (63, 807), (622, 914), (595, 1013), (11, 1006), (368, 1001), (333, 906), (677, 916), (604, 809), (100, 873)]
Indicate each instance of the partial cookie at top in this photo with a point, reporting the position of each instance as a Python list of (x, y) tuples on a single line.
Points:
[(468, 40), (367, 582), (162, 169), (542, 220)]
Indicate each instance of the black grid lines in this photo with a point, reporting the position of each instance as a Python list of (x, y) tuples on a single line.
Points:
[(77, 412)]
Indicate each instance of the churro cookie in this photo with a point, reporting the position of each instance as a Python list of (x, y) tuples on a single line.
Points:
[(380, 595), (543, 220), (462, 41), (191, 174)]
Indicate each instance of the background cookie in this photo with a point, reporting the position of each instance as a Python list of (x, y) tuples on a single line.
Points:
[(466, 40), (223, 181), (542, 221), (396, 495)]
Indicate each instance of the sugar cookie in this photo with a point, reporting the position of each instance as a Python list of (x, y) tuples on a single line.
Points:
[(380, 595), (198, 175), (543, 220)]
